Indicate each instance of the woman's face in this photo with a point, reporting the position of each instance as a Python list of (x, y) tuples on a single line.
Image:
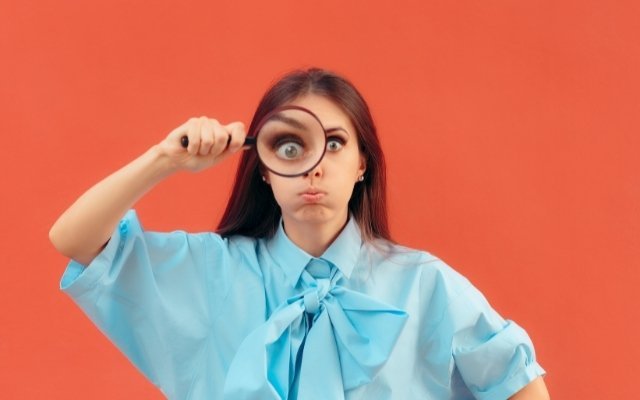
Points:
[(323, 194)]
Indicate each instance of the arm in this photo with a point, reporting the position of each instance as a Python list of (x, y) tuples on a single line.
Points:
[(535, 390), (83, 230)]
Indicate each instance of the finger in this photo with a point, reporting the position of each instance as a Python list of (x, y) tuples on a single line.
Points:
[(206, 136), (176, 135), (194, 136), (221, 138), (238, 134)]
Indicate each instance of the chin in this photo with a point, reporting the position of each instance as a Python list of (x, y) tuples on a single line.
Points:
[(315, 214)]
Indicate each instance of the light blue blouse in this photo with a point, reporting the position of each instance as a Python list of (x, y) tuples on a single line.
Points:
[(205, 317)]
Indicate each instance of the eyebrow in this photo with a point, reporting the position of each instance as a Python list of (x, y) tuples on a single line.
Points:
[(297, 124), (337, 128), (288, 120)]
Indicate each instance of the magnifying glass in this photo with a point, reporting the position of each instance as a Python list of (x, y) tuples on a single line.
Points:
[(290, 141)]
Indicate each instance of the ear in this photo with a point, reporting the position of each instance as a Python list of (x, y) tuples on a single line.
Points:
[(363, 165), (264, 173)]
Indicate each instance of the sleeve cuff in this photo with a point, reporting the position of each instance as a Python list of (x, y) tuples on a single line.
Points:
[(78, 279), (513, 384)]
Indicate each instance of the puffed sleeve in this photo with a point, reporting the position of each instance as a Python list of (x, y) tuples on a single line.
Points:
[(152, 295), (494, 356)]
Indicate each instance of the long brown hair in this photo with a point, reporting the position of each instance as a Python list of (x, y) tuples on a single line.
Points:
[(252, 209)]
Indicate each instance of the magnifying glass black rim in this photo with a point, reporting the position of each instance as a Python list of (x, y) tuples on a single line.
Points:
[(266, 118), (252, 140)]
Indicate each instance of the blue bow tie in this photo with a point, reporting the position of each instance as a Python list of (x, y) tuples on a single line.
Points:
[(343, 347)]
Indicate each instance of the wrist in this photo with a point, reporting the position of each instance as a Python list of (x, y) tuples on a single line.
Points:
[(163, 165)]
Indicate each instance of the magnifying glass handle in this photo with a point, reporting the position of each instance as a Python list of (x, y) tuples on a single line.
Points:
[(248, 141)]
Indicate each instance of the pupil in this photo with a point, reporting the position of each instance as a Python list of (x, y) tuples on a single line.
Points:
[(290, 151)]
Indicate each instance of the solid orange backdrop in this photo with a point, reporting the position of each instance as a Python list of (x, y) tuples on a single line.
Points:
[(510, 127)]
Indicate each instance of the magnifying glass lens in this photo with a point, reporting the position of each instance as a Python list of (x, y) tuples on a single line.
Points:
[(290, 142)]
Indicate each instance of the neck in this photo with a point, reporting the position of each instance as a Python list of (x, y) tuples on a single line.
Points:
[(314, 238)]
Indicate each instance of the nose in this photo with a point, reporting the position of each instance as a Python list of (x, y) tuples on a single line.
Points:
[(316, 172)]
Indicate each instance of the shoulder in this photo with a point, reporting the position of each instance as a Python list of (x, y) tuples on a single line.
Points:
[(205, 247), (430, 268), (406, 272), (243, 249)]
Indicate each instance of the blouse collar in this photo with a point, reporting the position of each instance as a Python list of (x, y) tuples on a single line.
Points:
[(342, 253)]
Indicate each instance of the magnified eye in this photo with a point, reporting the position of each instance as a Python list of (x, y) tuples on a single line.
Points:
[(288, 150)]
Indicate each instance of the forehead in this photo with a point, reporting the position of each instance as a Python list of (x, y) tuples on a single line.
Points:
[(330, 114)]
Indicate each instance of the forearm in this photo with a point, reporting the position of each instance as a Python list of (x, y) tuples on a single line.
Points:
[(82, 230), (535, 390)]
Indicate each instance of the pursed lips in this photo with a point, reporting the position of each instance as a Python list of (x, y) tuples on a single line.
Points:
[(312, 194)]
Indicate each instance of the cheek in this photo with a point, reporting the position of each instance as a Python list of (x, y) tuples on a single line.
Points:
[(280, 188), (344, 179), (347, 167)]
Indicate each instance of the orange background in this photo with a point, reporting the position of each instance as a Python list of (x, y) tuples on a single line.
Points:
[(511, 130)]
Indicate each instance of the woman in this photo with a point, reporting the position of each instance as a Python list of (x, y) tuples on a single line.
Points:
[(301, 293)]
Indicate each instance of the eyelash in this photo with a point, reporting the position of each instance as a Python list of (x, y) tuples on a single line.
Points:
[(284, 138), (338, 139)]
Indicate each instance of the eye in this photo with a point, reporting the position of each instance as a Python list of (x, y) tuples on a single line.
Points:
[(289, 150), (335, 143)]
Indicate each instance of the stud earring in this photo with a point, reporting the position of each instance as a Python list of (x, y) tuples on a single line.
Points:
[(361, 178), (264, 179)]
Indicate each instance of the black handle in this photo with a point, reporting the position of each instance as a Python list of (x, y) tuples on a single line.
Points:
[(248, 141)]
